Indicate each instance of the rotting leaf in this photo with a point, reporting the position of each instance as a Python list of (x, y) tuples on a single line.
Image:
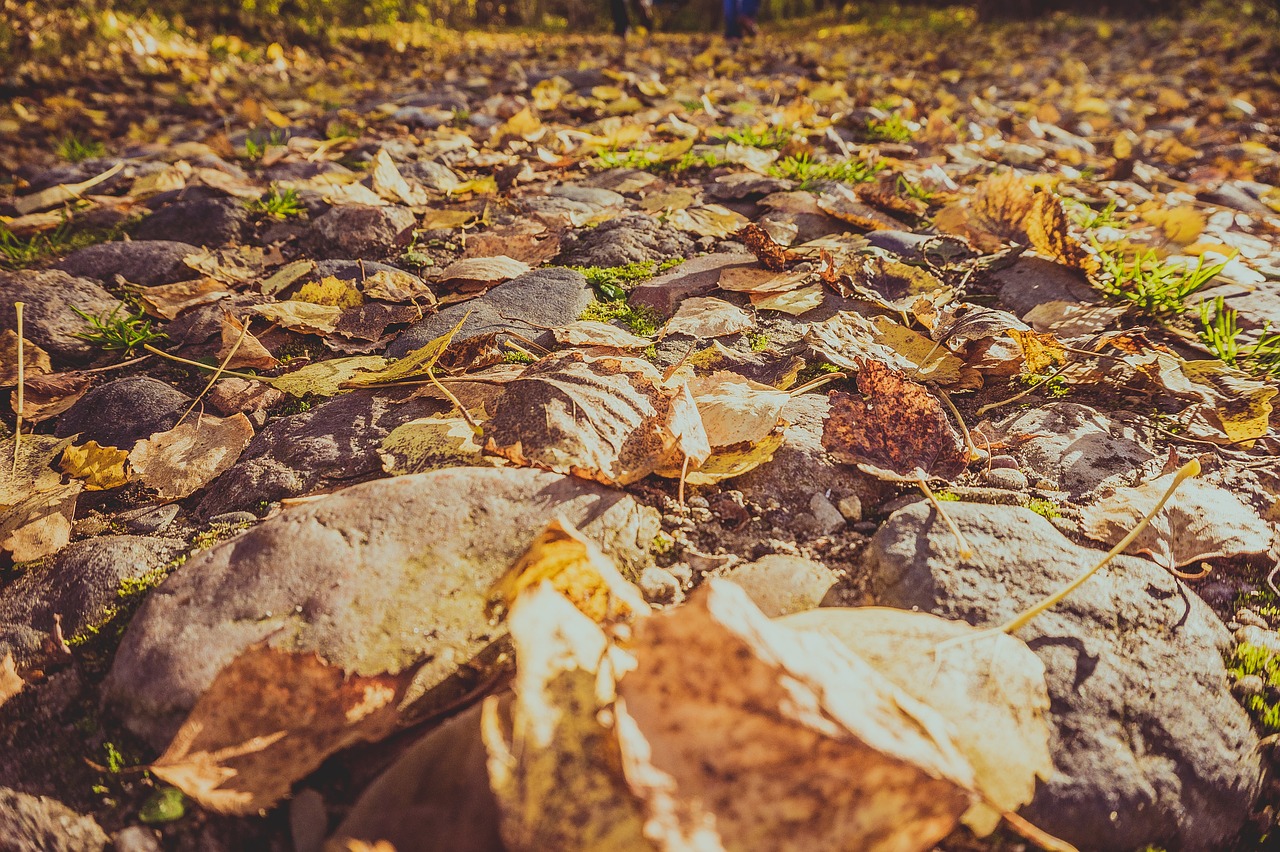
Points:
[(326, 378), (47, 396), (896, 430), (10, 682), (249, 351), (848, 339), (303, 317), (706, 317), (430, 443), (1049, 232), (709, 220), (770, 254), (99, 468), (35, 361), (166, 301), (40, 525), (269, 718), (895, 285), (189, 456), (32, 471)]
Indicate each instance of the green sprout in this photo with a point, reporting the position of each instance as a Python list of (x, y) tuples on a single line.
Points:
[(1154, 288), (253, 150), (770, 137), (118, 332), (808, 172), (892, 129), (1220, 333), (74, 150), (276, 204)]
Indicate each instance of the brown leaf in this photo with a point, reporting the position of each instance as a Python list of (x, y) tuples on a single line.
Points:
[(526, 248), (184, 459), (249, 353), (895, 285), (770, 254), (848, 339), (10, 683), (269, 718), (896, 430), (1001, 205), (706, 317), (883, 195), (1049, 232), (47, 396), (481, 272), (35, 361), (29, 469), (608, 419), (847, 208), (168, 300), (40, 525)]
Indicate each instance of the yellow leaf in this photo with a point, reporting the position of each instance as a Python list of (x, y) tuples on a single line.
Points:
[(330, 291), (1181, 225), (101, 468)]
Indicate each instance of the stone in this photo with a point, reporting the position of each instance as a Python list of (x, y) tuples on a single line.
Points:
[(209, 222), (1072, 446), (149, 520), (355, 231), (827, 518), (47, 319), (530, 305), (850, 508), (21, 640), (781, 584), (136, 838), (632, 238), (904, 244), (746, 185), (41, 824), (123, 412), (332, 444), (145, 262), (660, 586), (802, 467), (375, 578), (695, 277), (83, 582), (1149, 745), (1006, 478)]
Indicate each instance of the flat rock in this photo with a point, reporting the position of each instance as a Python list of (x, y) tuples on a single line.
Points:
[(123, 412), (1074, 447), (1149, 745), (331, 445), (801, 467), (529, 304), (359, 230), (374, 578), (209, 222), (145, 262), (695, 277), (628, 239), (41, 824), (47, 318), (781, 584), (82, 584)]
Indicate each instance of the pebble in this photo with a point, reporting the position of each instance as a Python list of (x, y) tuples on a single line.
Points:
[(659, 585), (850, 508), (1006, 478), (1248, 686), (828, 518), (1003, 461), (150, 520), (136, 838)]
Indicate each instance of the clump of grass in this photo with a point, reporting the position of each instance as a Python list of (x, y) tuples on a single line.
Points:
[(770, 137), (641, 319), (118, 331), (513, 357), (758, 342), (650, 160), (1248, 659), (808, 172), (891, 129), (1155, 288), (613, 282), (911, 189), (1088, 218), (19, 253), (73, 149), (277, 204), (1220, 333), (1045, 508), (1055, 386), (254, 149)]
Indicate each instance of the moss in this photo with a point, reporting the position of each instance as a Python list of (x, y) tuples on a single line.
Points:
[(613, 281), (641, 319), (1248, 659), (759, 342), (1046, 508), (662, 543), (518, 358)]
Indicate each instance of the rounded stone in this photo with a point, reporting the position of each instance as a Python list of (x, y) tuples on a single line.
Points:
[(123, 412)]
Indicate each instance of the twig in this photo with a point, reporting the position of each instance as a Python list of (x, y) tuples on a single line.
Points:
[(984, 409), (190, 363), (684, 471), (966, 551), (17, 423), (970, 447), (818, 382), (217, 374), (475, 427)]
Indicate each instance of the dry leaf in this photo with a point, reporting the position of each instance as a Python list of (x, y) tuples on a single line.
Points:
[(795, 302), (286, 276), (526, 248), (594, 333), (736, 410), (770, 254), (849, 338), (1001, 205), (846, 207), (330, 291), (99, 468), (189, 456), (430, 443), (575, 567), (419, 362), (302, 317), (32, 471), (47, 396), (249, 353), (269, 718), (895, 285), (35, 361), (231, 266), (990, 687), (10, 683), (1200, 521), (168, 300), (396, 286), (40, 525), (705, 317), (326, 378), (1040, 352), (608, 419), (1049, 233), (896, 430), (709, 220), (62, 193), (390, 184), (481, 272), (749, 279)]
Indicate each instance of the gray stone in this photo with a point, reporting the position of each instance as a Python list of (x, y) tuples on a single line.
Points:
[(21, 640), (47, 319), (744, 185), (136, 838), (1032, 281), (660, 586), (850, 508), (208, 222), (1006, 478), (780, 584), (375, 578), (695, 277), (83, 583), (436, 796), (529, 304), (123, 412), (628, 239), (40, 824), (802, 467), (1149, 745), (826, 516), (145, 262), (355, 231), (1072, 446), (902, 243), (149, 519), (332, 444)]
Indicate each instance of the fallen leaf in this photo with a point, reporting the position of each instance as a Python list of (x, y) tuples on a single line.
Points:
[(390, 184), (417, 363), (396, 287), (990, 688), (709, 220), (325, 378), (99, 468), (526, 248), (40, 525), (594, 333), (736, 410), (794, 302), (770, 254), (575, 567), (248, 353), (168, 300), (847, 207), (231, 266), (430, 443), (896, 285), (10, 683), (329, 291), (269, 718), (62, 193), (35, 361), (32, 469), (705, 317), (748, 279), (302, 317), (896, 430), (286, 276), (1049, 233), (610, 419), (848, 339), (434, 220), (483, 272), (1001, 205), (1181, 225), (189, 456), (1200, 521), (1040, 352), (47, 396)]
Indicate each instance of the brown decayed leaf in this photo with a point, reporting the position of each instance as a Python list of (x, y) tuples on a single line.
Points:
[(231, 266), (47, 396), (31, 471), (706, 317), (249, 353), (184, 459), (1001, 205), (168, 300), (269, 718), (481, 272), (527, 248), (1049, 232), (770, 254), (608, 419), (747, 279), (10, 683), (302, 316), (575, 567), (595, 333), (396, 287), (710, 220), (40, 525), (847, 208), (894, 284), (794, 302), (35, 361), (848, 338), (1200, 521), (896, 430), (883, 195)]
